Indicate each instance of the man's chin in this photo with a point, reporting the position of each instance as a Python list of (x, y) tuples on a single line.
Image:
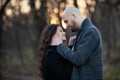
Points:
[(68, 27), (73, 30)]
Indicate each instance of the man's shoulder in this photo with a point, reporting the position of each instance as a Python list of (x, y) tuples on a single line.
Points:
[(93, 29)]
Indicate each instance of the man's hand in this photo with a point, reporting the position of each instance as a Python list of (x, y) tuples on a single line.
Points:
[(71, 40)]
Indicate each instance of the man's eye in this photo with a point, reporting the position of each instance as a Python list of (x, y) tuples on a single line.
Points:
[(65, 21)]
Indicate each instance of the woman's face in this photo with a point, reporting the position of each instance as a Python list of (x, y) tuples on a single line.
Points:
[(60, 33)]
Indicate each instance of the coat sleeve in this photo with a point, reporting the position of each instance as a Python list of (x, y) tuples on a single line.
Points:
[(85, 48)]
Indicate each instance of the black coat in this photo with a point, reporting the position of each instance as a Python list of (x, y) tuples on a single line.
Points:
[(56, 67)]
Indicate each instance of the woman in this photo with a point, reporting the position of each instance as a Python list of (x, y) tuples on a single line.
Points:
[(52, 65)]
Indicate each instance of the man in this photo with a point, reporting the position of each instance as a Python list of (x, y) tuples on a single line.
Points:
[(86, 54)]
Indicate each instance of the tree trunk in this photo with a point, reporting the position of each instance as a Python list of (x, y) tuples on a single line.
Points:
[(42, 18), (2, 11), (35, 23), (75, 3)]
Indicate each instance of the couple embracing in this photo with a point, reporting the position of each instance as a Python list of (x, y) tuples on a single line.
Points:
[(81, 62)]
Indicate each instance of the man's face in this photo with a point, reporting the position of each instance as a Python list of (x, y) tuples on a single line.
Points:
[(70, 22)]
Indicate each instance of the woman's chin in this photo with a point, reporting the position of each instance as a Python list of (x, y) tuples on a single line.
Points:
[(64, 39)]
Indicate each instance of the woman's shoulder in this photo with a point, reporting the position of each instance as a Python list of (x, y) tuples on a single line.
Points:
[(50, 52), (50, 55)]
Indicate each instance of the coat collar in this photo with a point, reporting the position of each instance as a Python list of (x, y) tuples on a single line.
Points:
[(85, 24)]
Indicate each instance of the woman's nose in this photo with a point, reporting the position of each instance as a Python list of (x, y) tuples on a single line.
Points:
[(64, 32)]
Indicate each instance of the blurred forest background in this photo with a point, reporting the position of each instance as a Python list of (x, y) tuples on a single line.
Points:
[(21, 24)]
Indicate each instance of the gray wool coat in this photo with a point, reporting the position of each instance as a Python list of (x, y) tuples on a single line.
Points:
[(86, 54)]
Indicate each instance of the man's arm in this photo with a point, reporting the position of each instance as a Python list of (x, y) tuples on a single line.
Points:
[(85, 48)]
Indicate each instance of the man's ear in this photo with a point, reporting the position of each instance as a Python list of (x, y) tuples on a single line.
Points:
[(74, 15)]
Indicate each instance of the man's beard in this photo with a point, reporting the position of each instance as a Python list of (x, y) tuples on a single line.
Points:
[(73, 26), (74, 30)]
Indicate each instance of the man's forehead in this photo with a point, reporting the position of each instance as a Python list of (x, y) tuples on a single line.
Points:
[(64, 17)]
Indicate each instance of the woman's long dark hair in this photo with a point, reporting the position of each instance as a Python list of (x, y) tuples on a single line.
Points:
[(45, 41)]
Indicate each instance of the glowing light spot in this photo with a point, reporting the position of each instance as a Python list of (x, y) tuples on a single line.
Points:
[(53, 20), (9, 12), (37, 4), (56, 10), (64, 25), (25, 8)]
